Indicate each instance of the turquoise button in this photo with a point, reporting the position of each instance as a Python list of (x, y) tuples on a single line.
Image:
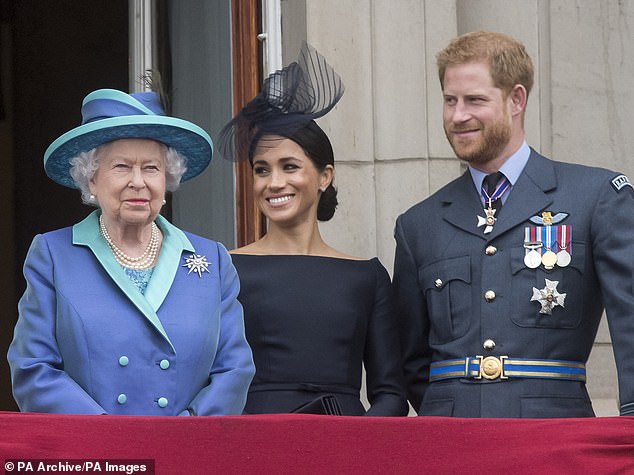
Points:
[(123, 361), (164, 364), (122, 398), (162, 402)]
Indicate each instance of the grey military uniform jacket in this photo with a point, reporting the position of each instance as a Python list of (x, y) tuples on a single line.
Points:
[(445, 264)]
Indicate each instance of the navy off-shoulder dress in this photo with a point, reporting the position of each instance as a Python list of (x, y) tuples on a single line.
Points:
[(313, 322)]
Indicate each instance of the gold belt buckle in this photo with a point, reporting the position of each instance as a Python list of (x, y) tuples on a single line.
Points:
[(491, 367)]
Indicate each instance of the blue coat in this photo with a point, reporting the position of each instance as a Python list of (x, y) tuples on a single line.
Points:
[(88, 342), (445, 265)]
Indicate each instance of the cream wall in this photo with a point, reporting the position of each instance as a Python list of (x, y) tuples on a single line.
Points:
[(389, 145)]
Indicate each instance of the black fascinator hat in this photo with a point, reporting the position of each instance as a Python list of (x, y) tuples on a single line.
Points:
[(290, 99)]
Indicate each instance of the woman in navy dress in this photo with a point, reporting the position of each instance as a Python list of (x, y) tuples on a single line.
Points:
[(314, 316)]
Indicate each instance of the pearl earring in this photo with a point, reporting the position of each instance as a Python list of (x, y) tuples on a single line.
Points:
[(92, 198), (164, 201)]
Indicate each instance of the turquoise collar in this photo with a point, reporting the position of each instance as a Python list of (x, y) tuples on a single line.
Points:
[(175, 242)]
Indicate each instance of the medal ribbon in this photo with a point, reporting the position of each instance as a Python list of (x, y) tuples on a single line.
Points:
[(547, 237), (539, 237), (531, 235), (564, 237), (500, 189)]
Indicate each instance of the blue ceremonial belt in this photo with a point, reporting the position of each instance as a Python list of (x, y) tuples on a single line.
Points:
[(503, 367)]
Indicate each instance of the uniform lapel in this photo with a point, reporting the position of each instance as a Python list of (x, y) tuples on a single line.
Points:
[(463, 205), (529, 194)]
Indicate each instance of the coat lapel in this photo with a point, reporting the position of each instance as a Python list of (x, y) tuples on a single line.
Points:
[(463, 205), (174, 244), (86, 233)]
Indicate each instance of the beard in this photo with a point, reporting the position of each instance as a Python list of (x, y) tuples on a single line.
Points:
[(485, 148)]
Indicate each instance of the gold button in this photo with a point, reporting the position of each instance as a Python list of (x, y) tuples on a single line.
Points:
[(491, 367), (438, 283), (489, 296), (490, 250), (488, 344)]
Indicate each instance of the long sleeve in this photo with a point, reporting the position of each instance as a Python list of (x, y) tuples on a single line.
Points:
[(40, 383), (411, 310), (613, 248), (233, 367), (382, 359)]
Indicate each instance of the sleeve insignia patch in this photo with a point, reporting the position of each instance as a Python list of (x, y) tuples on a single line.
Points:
[(621, 182)]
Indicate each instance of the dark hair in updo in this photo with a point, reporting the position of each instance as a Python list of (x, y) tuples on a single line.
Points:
[(318, 148)]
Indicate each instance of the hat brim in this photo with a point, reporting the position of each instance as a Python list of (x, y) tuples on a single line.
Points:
[(185, 137)]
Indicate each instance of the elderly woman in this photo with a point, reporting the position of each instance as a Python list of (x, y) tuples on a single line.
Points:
[(124, 313), (314, 316)]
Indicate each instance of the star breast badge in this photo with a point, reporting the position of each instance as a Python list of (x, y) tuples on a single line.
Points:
[(548, 297), (196, 263)]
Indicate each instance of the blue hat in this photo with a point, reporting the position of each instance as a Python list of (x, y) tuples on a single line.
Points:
[(109, 114)]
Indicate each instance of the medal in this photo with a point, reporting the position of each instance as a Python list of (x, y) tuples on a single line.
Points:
[(548, 245), (563, 256), (548, 297), (490, 212), (489, 218), (549, 258), (533, 257)]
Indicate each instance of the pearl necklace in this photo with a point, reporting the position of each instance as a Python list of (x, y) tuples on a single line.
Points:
[(145, 260)]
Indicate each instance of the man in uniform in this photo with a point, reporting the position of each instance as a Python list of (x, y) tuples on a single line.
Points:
[(502, 275)]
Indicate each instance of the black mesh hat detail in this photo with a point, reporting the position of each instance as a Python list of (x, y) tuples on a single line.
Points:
[(290, 98)]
